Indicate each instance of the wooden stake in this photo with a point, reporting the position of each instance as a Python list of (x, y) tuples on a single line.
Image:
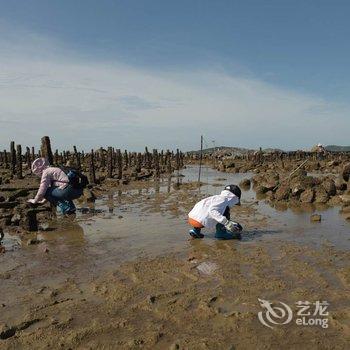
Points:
[(19, 162), (46, 151), (13, 158), (200, 161)]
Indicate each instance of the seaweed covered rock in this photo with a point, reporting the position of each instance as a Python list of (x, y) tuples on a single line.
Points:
[(340, 184), (346, 172), (329, 186), (321, 195), (282, 192), (245, 183), (307, 196)]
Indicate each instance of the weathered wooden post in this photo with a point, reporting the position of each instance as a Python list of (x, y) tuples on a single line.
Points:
[(33, 153), (147, 159), (92, 173), (119, 163), (102, 158), (6, 159), (13, 158), (77, 158), (162, 158), (19, 162), (156, 163), (56, 157), (30, 221), (46, 151), (126, 159), (177, 160), (28, 160), (168, 162), (138, 162), (181, 160), (110, 162)]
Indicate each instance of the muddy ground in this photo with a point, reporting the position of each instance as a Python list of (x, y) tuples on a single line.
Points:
[(124, 274)]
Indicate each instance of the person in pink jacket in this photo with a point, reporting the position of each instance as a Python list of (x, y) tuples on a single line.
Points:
[(55, 187)]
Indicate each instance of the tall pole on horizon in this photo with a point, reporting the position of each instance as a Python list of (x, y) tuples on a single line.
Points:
[(200, 162)]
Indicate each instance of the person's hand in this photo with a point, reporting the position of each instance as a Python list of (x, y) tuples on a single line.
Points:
[(233, 226), (42, 201), (31, 201)]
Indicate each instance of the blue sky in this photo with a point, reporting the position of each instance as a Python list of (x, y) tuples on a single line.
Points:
[(160, 73)]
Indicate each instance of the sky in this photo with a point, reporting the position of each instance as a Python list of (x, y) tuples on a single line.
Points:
[(160, 73)]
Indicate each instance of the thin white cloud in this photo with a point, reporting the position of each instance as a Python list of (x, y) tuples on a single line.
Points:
[(47, 90)]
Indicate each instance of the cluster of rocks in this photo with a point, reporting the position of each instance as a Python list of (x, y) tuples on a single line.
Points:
[(234, 165), (15, 212), (303, 188)]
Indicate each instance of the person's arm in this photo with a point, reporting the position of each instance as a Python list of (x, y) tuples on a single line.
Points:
[(214, 211), (44, 185), (215, 214)]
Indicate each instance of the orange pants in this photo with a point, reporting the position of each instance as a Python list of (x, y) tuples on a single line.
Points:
[(195, 223)]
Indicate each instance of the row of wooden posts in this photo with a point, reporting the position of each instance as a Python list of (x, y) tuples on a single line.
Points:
[(259, 156), (112, 161)]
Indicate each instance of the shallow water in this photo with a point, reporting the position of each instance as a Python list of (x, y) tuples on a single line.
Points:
[(144, 222)]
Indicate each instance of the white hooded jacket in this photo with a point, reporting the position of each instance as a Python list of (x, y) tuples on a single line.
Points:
[(209, 211)]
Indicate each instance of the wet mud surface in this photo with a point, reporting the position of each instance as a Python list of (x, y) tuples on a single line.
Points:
[(124, 274)]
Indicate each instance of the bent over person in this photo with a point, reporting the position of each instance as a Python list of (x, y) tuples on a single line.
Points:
[(57, 186), (214, 211)]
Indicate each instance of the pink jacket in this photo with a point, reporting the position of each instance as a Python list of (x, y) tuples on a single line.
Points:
[(51, 176)]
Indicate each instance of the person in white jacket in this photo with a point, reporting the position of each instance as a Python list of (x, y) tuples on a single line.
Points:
[(213, 212)]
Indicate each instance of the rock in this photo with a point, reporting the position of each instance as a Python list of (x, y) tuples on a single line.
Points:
[(44, 248), (315, 217), (340, 185), (270, 184), (15, 220), (245, 183), (299, 173), (8, 205), (345, 209), (2, 249), (270, 196), (282, 193), (229, 164), (261, 190), (297, 191), (89, 196), (345, 212), (346, 172), (151, 299), (321, 196), (329, 186), (335, 200), (30, 221), (18, 193), (307, 196), (33, 241), (303, 182), (345, 198), (2, 199), (333, 163)]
